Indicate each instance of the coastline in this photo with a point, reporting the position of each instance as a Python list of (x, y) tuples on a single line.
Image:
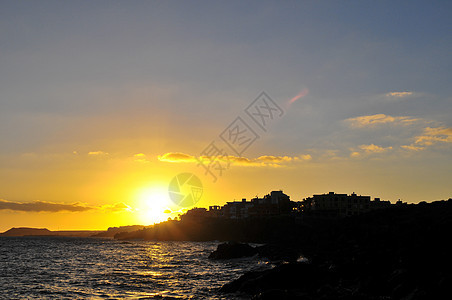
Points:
[(394, 253)]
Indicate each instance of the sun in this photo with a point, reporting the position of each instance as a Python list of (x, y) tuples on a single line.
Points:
[(153, 204)]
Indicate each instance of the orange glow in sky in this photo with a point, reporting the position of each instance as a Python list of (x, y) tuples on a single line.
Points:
[(98, 113)]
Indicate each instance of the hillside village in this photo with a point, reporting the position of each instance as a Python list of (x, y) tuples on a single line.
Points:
[(277, 203)]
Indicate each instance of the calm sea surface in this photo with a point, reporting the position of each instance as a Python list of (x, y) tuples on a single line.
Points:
[(60, 267)]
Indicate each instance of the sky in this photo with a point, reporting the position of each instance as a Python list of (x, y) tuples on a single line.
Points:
[(103, 103)]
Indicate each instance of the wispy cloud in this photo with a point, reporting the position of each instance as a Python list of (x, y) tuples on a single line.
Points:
[(140, 158), (372, 148), (399, 94), (98, 153), (355, 154), (274, 159), (43, 206), (117, 207), (379, 119), (412, 148), (176, 157), (301, 94), (429, 137), (365, 150), (305, 157), (265, 160), (434, 135)]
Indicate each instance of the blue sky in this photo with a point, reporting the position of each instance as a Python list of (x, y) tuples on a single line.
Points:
[(158, 77)]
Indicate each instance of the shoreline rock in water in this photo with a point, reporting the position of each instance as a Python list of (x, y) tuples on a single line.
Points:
[(271, 252), (231, 250)]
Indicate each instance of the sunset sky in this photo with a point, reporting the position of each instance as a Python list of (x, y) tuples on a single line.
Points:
[(102, 103)]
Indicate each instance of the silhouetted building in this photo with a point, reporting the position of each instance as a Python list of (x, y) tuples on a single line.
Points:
[(340, 205), (214, 211), (377, 204), (236, 209), (275, 203)]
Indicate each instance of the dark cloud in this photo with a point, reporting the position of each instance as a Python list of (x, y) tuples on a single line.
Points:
[(41, 206)]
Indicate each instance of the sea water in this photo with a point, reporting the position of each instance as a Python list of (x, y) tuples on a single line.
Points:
[(95, 268)]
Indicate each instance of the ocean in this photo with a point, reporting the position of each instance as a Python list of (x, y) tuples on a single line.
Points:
[(95, 268)]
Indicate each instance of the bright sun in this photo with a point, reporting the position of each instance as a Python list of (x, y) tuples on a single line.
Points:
[(152, 202)]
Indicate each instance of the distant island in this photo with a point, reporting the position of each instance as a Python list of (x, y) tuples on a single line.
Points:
[(26, 231)]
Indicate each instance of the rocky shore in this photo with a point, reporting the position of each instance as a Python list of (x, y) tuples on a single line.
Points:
[(401, 253), (394, 253)]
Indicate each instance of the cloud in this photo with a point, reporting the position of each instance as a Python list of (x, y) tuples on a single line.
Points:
[(399, 94), (43, 206), (274, 159), (412, 148), (379, 119), (117, 207), (301, 94), (98, 153), (429, 137), (264, 160), (175, 157), (305, 157), (140, 158), (368, 150), (434, 135), (374, 148), (355, 154)]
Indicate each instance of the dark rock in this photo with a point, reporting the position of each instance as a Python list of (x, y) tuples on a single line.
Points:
[(281, 295), (302, 277), (232, 250), (236, 285), (274, 252), (401, 283)]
